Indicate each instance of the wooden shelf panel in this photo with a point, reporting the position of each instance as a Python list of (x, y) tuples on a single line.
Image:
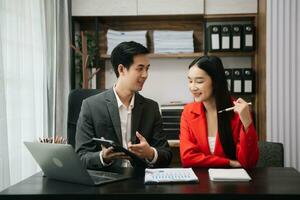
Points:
[(117, 19), (169, 55), (231, 54), (193, 55), (231, 17), (158, 18), (177, 55)]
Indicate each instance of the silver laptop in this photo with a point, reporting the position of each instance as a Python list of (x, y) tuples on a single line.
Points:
[(60, 162)]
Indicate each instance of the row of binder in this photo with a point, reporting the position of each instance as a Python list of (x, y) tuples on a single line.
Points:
[(240, 80), (236, 37)]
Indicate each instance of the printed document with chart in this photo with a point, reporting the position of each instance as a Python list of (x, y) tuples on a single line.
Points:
[(169, 175)]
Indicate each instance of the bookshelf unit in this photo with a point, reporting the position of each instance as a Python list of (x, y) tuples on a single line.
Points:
[(197, 23)]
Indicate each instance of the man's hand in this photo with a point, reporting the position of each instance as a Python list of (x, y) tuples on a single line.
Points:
[(108, 155), (143, 149)]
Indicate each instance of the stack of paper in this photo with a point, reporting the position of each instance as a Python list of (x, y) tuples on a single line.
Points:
[(228, 175), (167, 175), (173, 41), (116, 37)]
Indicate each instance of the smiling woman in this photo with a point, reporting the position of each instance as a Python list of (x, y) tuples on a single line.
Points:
[(209, 139)]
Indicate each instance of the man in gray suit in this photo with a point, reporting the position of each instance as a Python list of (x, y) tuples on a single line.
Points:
[(123, 115)]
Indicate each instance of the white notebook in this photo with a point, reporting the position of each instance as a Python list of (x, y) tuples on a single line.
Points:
[(238, 174), (168, 175)]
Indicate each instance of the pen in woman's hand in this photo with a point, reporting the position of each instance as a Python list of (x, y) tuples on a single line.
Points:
[(231, 108)]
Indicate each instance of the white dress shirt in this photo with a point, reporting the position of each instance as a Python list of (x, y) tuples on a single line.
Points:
[(125, 119)]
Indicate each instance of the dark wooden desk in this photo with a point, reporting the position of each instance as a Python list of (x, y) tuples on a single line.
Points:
[(267, 183)]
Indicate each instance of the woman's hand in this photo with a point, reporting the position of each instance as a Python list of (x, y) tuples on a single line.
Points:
[(234, 163), (242, 108)]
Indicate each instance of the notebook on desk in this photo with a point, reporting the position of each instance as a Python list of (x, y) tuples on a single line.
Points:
[(60, 162), (238, 174)]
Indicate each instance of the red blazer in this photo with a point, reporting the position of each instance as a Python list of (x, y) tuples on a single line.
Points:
[(194, 147)]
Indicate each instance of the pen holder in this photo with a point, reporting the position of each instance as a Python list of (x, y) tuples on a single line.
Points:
[(56, 140)]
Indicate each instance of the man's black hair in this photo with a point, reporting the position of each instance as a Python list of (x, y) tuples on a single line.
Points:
[(124, 54)]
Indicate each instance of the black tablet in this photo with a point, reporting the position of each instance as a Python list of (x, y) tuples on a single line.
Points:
[(117, 148)]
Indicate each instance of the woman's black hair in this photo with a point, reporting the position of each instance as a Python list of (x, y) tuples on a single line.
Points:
[(213, 66)]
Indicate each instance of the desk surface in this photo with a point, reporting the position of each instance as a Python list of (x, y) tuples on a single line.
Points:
[(267, 183)]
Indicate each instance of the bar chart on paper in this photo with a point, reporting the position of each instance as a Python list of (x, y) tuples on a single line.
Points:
[(169, 175)]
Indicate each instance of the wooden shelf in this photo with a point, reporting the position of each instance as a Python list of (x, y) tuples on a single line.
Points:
[(230, 17), (177, 55), (231, 54), (169, 55)]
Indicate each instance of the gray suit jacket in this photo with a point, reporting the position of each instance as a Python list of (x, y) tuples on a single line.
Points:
[(99, 117)]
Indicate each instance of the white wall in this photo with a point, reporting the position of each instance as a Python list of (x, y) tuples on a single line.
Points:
[(283, 91), (230, 6), (167, 80)]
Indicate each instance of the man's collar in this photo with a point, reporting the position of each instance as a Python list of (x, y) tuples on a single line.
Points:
[(120, 103)]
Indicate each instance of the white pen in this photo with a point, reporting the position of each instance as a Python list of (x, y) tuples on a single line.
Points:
[(231, 108)]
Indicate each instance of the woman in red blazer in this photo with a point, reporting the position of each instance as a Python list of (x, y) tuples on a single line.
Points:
[(209, 138)]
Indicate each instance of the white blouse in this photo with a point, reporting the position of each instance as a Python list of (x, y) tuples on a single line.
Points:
[(212, 143)]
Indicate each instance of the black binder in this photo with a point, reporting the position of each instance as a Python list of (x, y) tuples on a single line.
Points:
[(171, 115), (228, 74), (237, 81), (226, 37), (236, 41), (214, 37), (248, 37), (248, 77)]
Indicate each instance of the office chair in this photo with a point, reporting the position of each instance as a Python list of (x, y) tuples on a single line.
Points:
[(270, 154), (75, 100)]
